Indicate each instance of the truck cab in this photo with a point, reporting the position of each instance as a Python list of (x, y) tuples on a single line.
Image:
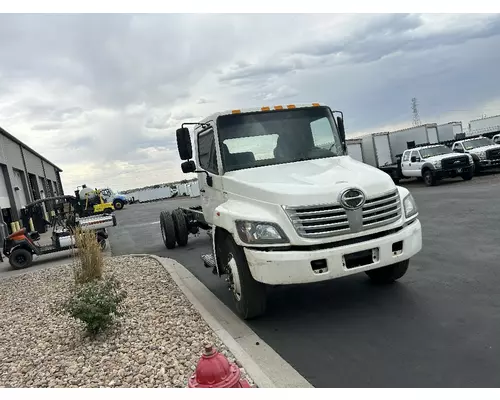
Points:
[(484, 151), (285, 204), (435, 162)]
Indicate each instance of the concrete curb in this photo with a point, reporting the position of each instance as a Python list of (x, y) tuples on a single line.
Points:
[(266, 367)]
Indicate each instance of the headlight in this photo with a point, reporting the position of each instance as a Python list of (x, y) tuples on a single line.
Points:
[(437, 164), (410, 206), (482, 155), (471, 160), (253, 232)]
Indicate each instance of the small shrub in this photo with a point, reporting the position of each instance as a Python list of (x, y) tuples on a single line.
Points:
[(90, 256), (96, 303)]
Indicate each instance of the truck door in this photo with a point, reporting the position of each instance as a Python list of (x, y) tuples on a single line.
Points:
[(382, 150), (405, 163), (415, 164), (432, 135), (211, 195), (354, 150)]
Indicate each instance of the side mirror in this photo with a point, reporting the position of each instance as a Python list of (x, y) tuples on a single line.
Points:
[(188, 166), (340, 125), (413, 159), (184, 144)]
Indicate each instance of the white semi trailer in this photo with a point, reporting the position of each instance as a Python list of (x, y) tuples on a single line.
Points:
[(488, 126), (449, 131), (401, 139)]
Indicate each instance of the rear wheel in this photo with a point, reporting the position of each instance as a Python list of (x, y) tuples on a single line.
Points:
[(181, 227), (249, 296), (20, 258), (429, 178), (390, 273), (167, 229)]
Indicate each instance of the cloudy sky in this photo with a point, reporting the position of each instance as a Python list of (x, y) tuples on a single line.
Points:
[(102, 95)]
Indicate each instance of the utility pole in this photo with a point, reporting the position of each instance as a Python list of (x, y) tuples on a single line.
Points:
[(414, 109)]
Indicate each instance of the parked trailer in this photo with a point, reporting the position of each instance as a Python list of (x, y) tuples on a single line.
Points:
[(449, 131), (399, 140), (355, 149), (488, 126)]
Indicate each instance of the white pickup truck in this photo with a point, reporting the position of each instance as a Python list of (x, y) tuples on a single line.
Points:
[(484, 151), (435, 162), (285, 204)]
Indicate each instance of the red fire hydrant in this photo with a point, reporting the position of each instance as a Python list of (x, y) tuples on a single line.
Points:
[(214, 371)]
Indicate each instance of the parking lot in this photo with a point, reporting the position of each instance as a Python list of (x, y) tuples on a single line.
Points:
[(439, 326)]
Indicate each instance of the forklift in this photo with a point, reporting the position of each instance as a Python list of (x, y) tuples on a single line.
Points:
[(91, 202)]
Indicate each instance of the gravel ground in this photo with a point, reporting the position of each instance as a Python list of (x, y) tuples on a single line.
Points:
[(157, 343)]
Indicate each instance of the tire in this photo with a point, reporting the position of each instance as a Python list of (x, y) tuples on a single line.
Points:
[(429, 178), (250, 302), (20, 258), (468, 175), (167, 229), (118, 204), (108, 211), (181, 227), (389, 274)]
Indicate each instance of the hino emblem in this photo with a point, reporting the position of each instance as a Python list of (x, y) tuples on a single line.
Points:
[(351, 199), (456, 162)]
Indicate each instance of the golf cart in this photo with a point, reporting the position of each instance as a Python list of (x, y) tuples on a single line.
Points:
[(21, 246)]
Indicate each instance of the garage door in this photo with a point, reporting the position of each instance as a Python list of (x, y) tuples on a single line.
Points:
[(20, 183), (4, 194)]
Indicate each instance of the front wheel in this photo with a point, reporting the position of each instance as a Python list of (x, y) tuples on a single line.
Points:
[(467, 176), (429, 178), (20, 258), (389, 274), (118, 204), (249, 296)]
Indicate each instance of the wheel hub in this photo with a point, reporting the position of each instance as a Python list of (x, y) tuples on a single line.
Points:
[(234, 277)]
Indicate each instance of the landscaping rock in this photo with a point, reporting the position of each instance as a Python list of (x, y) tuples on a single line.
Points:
[(156, 344)]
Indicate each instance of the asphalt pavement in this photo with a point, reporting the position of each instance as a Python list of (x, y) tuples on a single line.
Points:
[(439, 326)]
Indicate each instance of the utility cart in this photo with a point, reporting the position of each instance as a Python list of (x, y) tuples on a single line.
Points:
[(21, 246)]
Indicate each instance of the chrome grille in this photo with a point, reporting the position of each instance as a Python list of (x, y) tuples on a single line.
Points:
[(333, 220)]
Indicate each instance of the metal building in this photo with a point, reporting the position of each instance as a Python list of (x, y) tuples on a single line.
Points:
[(25, 176)]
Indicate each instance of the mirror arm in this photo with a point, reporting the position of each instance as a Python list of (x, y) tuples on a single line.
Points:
[(209, 177)]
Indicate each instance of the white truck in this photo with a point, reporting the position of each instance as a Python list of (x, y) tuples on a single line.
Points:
[(284, 204), (435, 162), (484, 151)]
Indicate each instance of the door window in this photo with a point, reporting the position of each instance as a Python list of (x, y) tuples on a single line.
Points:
[(406, 156), (416, 154), (206, 151)]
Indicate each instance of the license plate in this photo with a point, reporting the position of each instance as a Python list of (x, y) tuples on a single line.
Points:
[(459, 170), (361, 258)]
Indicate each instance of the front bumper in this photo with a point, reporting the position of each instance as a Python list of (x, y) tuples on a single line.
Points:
[(451, 173), (294, 267), (489, 163)]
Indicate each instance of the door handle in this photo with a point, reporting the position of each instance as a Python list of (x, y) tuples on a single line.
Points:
[(202, 190)]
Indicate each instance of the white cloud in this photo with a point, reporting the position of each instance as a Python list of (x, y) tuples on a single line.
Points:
[(102, 95)]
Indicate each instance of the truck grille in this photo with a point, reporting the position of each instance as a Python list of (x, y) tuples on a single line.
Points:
[(455, 162), (493, 154), (332, 220)]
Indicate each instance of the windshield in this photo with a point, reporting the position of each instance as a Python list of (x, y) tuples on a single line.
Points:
[(475, 143), (434, 151), (268, 138)]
